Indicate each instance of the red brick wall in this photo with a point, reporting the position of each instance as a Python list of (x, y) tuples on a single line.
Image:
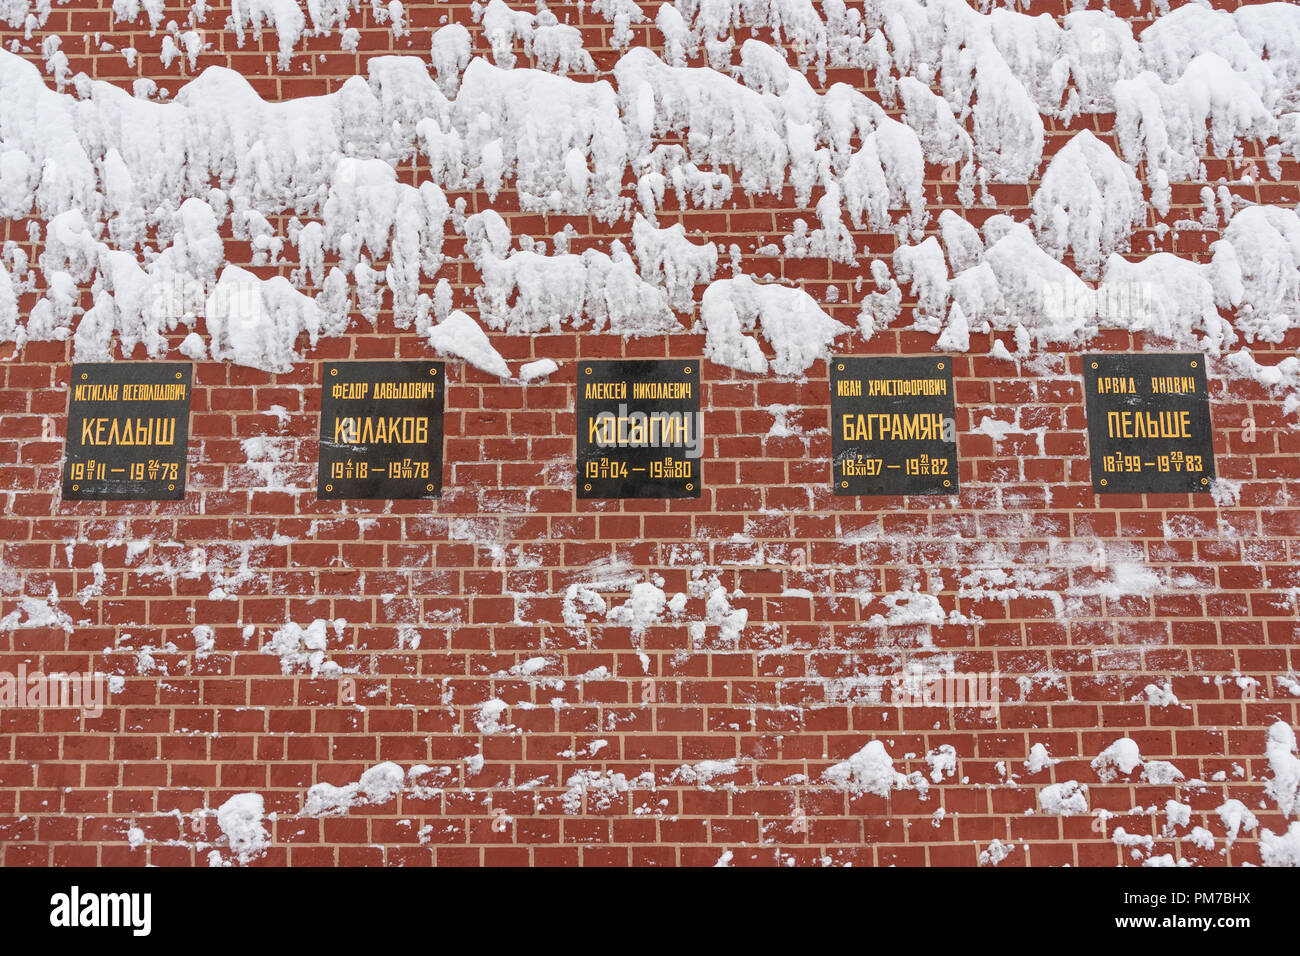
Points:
[(482, 574)]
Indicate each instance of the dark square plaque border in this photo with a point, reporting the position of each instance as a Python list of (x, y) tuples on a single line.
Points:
[(636, 370), (882, 367), (125, 373), (376, 488), (1145, 364)]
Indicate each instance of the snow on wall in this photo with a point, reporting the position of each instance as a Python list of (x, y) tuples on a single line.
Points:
[(152, 181)]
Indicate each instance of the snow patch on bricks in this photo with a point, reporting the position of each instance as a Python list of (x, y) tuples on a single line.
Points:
[(702, 774), (272, 465), (526, 292), (36, 612), (378, 785), (790, 319), (1039, 759), (1284, 786), (461, 337), (910, 607), (1069, 798), (304, 650), (1160, 773), (719, 614), (942, 761), (226, 565), (1280, 849), (1122, 756), (1160, 695), (240, 819), (488, 720), (648, 605), (1194, 82), (540, 369), (870, 770), (555, 47), (1088, 203), (995, 853), (595, 790), (1236, 818), (643, 607)]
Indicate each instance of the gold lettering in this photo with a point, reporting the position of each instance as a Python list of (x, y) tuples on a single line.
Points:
[(128, 431), (893, 387), (661, 390), (1149, 424), (606, 390), (1173, 384), (93, 392), (153, 392), (350, 391), (1108, 385), (380, 430), (892, 427)]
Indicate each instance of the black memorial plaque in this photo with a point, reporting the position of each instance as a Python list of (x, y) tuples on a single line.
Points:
[(1148, 423), (128, 431), (381, 430), (639, 429), (893, 427)]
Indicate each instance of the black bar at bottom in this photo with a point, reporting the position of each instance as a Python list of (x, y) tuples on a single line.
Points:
[(301, 907)]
